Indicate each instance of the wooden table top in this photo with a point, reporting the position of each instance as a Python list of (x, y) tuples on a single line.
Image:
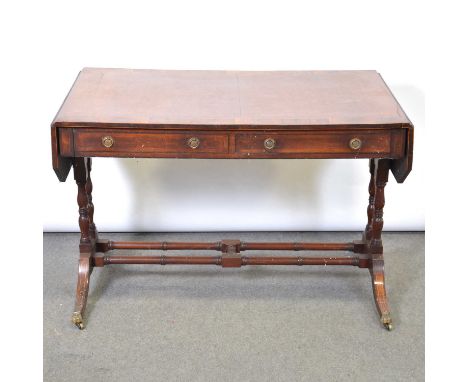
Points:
[(231, 114), (158, 98)]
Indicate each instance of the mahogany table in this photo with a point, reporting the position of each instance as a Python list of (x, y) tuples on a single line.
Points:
[(236, 115)]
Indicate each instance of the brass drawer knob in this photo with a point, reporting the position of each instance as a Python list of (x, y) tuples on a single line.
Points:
[(355, 143), (193, 142), (107, 141), (269, 143)]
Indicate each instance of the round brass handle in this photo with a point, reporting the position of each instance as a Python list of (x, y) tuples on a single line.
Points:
[(269, 143), (355, 144), (107, 141), (193, 142)]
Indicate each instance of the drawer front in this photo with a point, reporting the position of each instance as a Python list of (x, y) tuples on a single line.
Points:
[(328, 144), (122, 142)]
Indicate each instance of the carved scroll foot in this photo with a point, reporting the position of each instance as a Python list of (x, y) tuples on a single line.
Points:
[(380, 295), (82, 287)]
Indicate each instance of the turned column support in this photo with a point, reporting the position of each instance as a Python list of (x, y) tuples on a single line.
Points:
[(381, 169), (80, 169), (89, 191), (370, 208)]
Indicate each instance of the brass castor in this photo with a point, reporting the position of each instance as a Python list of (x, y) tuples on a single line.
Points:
[(389, 326), (77, 319), (387, 322)]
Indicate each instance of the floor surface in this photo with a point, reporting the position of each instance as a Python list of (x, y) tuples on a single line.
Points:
[(206, 323)]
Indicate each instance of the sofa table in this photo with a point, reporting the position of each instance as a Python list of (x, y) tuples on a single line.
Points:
[(236, 115)]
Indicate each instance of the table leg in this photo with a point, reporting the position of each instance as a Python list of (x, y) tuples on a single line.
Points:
[(89, 190), (370, 207), (87, 244), (379, 177)]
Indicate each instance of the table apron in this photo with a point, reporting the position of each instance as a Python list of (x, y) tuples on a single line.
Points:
[(151, 143)]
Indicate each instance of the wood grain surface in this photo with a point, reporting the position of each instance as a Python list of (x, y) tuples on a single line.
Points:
[(162, 97)]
